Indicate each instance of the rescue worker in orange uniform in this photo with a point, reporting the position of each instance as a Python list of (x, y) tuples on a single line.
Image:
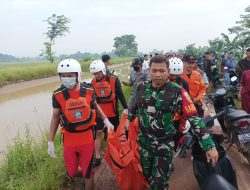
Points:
[(108, 90), (195, 82), (175, 72), (74, 108)]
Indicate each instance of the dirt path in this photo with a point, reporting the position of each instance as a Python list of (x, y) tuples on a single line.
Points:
[(182, 178), (104, 178)]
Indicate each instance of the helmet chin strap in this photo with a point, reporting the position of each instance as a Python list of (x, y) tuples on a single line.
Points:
[(77, 86), (77, 81)]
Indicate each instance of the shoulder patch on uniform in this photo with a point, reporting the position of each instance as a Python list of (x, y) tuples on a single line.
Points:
[(187, 97)]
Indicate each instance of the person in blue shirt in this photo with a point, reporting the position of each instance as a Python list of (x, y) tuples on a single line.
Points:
[(223, 60), (231, 66)]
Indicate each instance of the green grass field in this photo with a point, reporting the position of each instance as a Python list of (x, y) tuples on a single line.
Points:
[(16, 72)]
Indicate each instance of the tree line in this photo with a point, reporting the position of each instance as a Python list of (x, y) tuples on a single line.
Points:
[(236, 41)]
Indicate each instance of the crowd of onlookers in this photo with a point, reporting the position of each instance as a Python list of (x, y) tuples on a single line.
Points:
[(210, 65)]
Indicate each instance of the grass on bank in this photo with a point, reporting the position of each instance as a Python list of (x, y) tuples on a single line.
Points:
[(15, 72), (27, 166)]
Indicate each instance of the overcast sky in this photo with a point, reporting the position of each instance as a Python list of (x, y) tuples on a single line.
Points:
[(157, 24)]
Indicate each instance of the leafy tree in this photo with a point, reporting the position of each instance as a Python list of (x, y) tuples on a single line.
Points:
[(230, 45), (216, 45), (239, 39), (242, 32), (190, 49), (245, 22), (48, 52), (203, 49), (125, 46), (57, 28)]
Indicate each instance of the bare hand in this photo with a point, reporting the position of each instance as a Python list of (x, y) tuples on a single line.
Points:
[(196, 100), (213, 156), (239, 96), (125, 83), (126, 124), (125, 111)]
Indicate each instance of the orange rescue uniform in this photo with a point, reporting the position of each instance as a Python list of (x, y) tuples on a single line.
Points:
[(196, 85), (105, 94), (77, 117)]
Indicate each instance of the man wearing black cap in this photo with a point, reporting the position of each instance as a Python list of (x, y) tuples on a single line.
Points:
[(243, 64), (136, 76), (195, 82)]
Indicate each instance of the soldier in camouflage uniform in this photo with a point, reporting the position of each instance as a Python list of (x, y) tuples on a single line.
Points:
[(156, 103)]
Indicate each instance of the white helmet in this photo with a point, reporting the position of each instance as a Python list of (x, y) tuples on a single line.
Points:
[(96, 66), (175, 66), (70, 66)]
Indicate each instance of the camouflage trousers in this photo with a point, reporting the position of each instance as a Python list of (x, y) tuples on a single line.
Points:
[(156, 160)]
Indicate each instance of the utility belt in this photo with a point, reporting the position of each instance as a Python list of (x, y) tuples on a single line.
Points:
[(108, 107), (72, 128)]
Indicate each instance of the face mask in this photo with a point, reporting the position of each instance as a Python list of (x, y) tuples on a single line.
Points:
[(68, 82), (136, 68)]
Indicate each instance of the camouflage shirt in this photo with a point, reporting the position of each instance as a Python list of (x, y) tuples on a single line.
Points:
[(155, 108)]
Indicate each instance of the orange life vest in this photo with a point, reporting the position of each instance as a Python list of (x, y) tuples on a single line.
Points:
[(105, 94), (77, 115)]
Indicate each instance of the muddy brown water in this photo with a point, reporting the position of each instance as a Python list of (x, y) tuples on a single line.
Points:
[(25, 107)]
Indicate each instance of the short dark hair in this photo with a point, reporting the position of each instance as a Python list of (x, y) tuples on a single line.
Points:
[(248, 49), (105, 58), (190, 58), (136, 62), (159, 59), (145, 55)]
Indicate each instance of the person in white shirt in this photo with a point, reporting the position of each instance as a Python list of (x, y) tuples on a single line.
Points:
[(145, 65)]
